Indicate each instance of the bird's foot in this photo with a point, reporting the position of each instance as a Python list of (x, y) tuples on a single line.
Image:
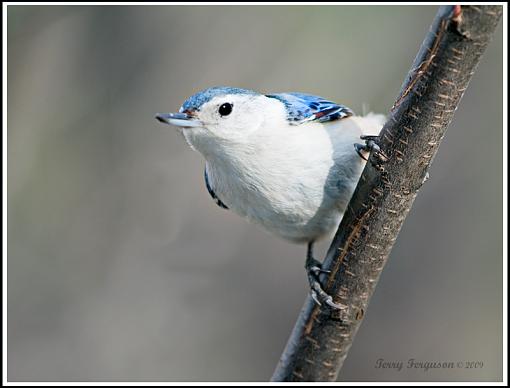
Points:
[(313, 270), (371, 144)]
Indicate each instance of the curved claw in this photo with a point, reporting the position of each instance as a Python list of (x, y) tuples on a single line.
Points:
[(360, 147), (329, 302), (315, 298), (318, 270)]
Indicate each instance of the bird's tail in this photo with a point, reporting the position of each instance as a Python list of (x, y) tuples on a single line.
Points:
[(371, 123)]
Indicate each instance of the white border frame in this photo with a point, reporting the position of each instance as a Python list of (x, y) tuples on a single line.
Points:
[(4, 196)]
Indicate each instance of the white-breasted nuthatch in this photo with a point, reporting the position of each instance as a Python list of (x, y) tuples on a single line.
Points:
[(289, 161)]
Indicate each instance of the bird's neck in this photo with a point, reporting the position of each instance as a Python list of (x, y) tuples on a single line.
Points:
[(229, 159)]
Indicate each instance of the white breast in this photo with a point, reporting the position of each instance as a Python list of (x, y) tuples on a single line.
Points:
[(294, 180)]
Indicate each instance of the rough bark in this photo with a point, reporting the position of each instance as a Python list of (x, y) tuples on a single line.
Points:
[(388, 186)]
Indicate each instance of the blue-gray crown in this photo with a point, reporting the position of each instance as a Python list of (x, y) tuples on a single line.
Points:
[(196, 101)]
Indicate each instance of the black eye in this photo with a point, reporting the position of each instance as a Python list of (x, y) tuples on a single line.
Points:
[(225, 109)]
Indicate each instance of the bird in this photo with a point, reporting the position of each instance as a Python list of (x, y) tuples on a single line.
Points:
[(288, 162)]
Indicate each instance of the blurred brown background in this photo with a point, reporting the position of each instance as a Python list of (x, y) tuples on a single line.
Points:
[(121, 267)]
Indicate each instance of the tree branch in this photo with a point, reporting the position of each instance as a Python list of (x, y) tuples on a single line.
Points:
[(416, 125)]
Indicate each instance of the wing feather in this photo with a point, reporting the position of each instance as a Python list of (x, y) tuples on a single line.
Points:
[(302, 108)]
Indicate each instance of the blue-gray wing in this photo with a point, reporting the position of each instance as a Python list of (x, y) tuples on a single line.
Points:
[(212, 193), (302, 108)]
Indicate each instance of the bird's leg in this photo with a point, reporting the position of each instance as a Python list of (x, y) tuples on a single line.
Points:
[(371, 144), (313, 270)]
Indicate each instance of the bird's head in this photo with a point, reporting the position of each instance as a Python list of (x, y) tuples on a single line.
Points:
[(223, 116)]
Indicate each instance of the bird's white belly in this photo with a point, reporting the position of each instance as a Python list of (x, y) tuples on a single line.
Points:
[(288, 208)]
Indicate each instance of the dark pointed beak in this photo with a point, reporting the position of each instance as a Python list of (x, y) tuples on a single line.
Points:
[(178, 119)]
